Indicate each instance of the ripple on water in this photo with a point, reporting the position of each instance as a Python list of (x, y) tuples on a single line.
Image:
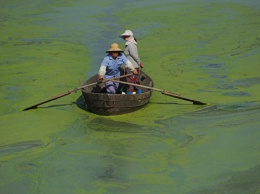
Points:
[(215, 65), (219, 76), (236, 94), (246, 82), (20, 146), (226, 109), (235, 182)]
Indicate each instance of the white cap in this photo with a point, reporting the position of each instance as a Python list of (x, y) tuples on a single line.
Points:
[(127, 33)]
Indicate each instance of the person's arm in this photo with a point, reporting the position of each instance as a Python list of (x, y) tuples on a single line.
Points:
[(103, 67), (141, 64), (129, 65), (102, 71), (134, 53)]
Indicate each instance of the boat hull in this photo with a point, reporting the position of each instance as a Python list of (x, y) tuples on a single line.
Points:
[(115, 104)]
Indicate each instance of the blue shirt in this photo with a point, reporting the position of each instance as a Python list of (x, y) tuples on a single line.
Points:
[(112, 65)]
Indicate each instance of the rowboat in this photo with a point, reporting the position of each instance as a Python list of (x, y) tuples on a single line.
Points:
[(101, 103)]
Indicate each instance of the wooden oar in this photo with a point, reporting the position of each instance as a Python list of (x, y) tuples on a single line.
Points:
[(163, 92), (76, 89)]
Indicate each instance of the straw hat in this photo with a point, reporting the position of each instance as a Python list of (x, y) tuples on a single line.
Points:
[(114, 47), (127, 33)]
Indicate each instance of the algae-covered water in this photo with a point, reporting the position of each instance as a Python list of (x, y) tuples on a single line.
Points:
[(206, 50)]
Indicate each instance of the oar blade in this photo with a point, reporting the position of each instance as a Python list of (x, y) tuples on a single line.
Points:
[(182, 98), (51, 99), (31, 107), (199, 103)]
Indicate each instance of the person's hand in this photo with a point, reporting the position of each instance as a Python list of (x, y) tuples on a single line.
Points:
[(101, 77), (141, 65), (135, 72)]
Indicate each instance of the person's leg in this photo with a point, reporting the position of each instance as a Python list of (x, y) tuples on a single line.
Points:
[(133, 79), (137, 81), (111, 87), (130, 79)]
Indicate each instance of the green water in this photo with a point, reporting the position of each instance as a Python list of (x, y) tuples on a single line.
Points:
[(203, 50)]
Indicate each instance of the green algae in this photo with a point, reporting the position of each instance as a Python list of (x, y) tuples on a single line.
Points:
[(203, 50), (189, 38), (33, 68)]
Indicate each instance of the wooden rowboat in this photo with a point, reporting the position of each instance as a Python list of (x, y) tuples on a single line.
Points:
[(113, 104), (102, 103)]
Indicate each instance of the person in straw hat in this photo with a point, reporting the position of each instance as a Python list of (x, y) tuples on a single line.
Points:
[(131, 52), (110, 67)]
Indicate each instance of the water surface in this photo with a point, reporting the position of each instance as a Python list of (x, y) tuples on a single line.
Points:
[(204, 50)]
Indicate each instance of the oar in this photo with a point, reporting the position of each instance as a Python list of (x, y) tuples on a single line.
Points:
[(163, 92), (76, 89)]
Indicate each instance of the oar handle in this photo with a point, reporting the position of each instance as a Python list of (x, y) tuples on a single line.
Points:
[(103, 80), (163, 92), (63, 94)]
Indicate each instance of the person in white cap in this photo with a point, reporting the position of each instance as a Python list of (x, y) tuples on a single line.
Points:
[(131, 52), (110, 67)]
